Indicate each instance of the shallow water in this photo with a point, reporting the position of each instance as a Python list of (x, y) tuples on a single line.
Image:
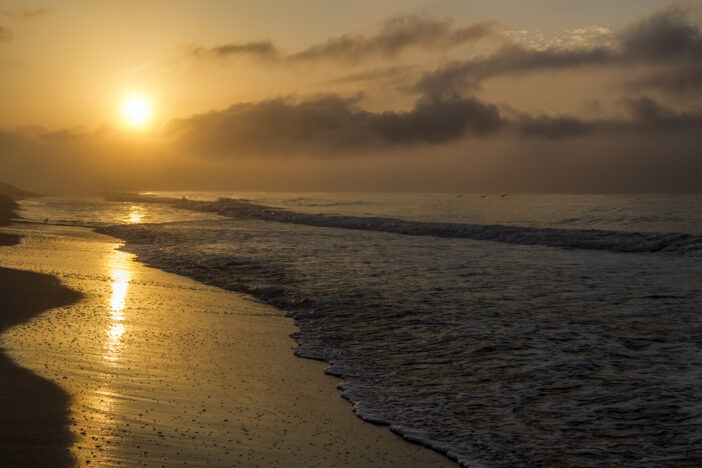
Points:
[(497, 354)]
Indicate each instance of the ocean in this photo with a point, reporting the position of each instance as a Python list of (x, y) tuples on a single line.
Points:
[(503, 330)]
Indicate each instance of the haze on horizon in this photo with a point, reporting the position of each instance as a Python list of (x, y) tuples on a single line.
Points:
[(443, 95)]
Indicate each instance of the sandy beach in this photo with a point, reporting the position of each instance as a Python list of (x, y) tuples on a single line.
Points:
[(151, 368), (34, 423)]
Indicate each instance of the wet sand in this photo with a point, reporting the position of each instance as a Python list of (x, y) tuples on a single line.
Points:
[(33, 411), (165, 371)]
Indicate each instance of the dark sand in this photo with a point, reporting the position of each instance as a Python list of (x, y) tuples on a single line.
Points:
[(34, 413)]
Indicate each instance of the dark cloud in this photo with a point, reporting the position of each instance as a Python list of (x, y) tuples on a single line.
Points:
[(437, 121), (512, 59), (394, 37), (258, 49), (556, 128), (376, 74), (647, 117), (5, 34), (655, 117), (670, 37), (645, 109), (330, 123), (334, 125)]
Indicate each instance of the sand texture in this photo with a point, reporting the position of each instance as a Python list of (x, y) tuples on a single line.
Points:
[(164, 371), (33, 411)]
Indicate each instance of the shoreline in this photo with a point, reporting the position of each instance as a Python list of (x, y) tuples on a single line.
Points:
[(407, 436), (289, 410), (441, 449), (34, 423)]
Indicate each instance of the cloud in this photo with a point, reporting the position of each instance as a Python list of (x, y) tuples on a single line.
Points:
[(394, 37), (631, 146), (682, 79), (658, 118), (394, 73), (511, 59), (645, 109), (258, 49), (330, 123), (5, 34), (26, 13), (578, 38), (652, 148), (556, 128), (670, 37), (647, 117)]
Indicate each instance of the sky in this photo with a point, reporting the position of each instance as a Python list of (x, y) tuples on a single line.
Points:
[(445, 95)]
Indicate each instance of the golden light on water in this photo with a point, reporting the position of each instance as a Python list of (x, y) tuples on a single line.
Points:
[(137, 110), (136, 213)]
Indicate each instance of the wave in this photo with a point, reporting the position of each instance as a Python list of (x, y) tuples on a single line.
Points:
[(590, 239), (316, 202), (468, 347)]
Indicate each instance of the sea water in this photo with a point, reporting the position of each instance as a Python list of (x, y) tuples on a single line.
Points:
[(503, 330)]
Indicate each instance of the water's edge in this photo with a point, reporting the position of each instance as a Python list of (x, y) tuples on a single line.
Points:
[(401, 431)]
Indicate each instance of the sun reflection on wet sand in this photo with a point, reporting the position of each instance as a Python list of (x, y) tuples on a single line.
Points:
[(121, 276), (95, 440)]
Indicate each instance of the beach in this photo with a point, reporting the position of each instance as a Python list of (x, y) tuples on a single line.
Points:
[(301, 234), (156, 369), (513, 350), (34, 423)]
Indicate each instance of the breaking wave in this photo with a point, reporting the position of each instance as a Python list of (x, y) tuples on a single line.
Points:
[(591, 239)]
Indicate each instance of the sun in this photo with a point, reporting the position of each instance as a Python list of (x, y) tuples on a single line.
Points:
[(136, 110)]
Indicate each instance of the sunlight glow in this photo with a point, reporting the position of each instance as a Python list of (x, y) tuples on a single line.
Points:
[(136, 213), (136, 110)]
